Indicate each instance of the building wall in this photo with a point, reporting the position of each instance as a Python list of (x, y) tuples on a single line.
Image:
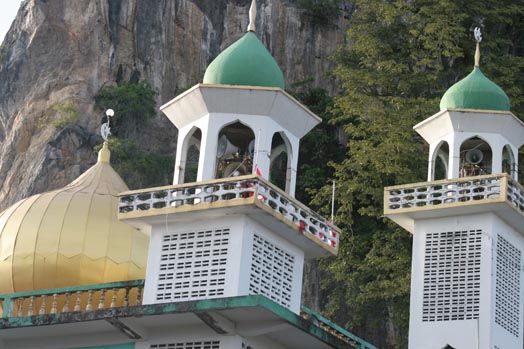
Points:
[(454, 283)]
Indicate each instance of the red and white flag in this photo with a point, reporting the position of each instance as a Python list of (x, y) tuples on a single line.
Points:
[(257, 171)]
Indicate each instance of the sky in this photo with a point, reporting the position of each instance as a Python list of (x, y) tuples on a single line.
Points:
[(8, 9)]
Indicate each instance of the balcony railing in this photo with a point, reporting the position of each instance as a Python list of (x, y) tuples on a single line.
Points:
[(238, 190), (72, 299), (461, 191)]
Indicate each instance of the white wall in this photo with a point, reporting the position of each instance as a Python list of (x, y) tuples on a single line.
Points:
[(481, 333)]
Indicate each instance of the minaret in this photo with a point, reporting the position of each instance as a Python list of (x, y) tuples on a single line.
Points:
[(467, 222), (230, 226)]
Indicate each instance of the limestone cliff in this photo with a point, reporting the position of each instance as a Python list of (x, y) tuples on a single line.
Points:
[(61, 51)]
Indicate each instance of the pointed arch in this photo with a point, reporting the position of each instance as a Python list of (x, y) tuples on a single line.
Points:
[(476, 157), (280, 161), (440, 161), (235, 149), (190, 155), (509, 162)]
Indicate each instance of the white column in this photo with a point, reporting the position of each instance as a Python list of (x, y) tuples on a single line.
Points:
[(496, 155), (180, 160), (295, 147), (431, 161), (208, 151), (454, 156), (515, 169), (263, 140)]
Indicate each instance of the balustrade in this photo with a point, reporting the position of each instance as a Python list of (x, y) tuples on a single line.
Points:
[(479, 189), (244, 189), (79, 299)]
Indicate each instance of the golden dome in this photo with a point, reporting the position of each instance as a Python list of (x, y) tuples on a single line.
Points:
[(71, 236)]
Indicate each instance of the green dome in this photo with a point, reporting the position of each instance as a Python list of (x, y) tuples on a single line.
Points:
[(475, 91), (245, 62)]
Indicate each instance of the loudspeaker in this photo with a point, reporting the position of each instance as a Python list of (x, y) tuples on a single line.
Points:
[(225, 147), (474, 156)]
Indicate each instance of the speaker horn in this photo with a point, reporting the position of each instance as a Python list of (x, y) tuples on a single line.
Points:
[(474, 156), (225, 147)]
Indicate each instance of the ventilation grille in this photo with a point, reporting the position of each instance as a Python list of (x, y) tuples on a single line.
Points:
[(271, 271), (193, 265), (188, 345), (452, 276), (507, 287)]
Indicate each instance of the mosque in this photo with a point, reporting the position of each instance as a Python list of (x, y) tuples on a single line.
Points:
[(215, 261)]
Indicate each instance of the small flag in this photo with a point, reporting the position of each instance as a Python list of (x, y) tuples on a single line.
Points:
[(257, 171)]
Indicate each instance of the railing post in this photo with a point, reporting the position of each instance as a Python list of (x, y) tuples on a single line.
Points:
[(7, 307), (504, 187)]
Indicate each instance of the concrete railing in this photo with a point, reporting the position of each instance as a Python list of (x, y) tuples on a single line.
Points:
[(251, 189), (467, 190), (72, 299)]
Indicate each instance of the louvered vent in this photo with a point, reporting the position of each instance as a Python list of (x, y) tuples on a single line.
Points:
[(452, 275), (271, 271), (188, 345), (193, 265), (507, 287)]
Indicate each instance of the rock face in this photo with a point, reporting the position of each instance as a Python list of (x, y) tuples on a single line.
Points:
[(61, 51)]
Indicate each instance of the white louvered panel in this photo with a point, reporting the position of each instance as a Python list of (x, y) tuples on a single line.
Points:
[(193, 265), (271, 271), (507, 286), (452, 275), (188, 345)]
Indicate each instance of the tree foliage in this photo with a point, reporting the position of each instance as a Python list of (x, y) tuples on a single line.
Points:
[(320, 11), (138, 168), (320, 146), (133, 103), (401, 57)]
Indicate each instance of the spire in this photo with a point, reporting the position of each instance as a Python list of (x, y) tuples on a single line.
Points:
[(252, 16), (478, 39), (104, 154)]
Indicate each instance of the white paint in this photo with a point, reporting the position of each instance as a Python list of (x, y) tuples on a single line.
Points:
[(462, 333), (457, 126), (239, 257), (266, 111)]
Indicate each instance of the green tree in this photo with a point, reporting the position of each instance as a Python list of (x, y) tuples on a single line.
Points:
[(320, 146), (401, 57), (133, 103), (138, 168)]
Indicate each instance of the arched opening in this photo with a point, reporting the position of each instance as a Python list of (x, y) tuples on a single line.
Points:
[(475, 158), (441, 161), (236, 145), (280, 160), (509, 164), (192, 156)]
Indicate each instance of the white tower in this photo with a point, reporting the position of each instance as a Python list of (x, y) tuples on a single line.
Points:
[(230, 226), (467, 285)]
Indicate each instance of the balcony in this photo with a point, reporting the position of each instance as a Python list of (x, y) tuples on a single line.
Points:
[(497, 193), (250, 195), (115, 310)]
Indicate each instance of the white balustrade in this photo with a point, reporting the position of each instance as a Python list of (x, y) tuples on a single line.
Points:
[(461, 190), (245, 187)]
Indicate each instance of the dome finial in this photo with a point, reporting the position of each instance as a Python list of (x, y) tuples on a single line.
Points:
[(252, 16), (105, 130), (478, 38), (104, 155)]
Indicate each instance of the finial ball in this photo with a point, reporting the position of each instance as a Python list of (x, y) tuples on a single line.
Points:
[(110, 112)]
